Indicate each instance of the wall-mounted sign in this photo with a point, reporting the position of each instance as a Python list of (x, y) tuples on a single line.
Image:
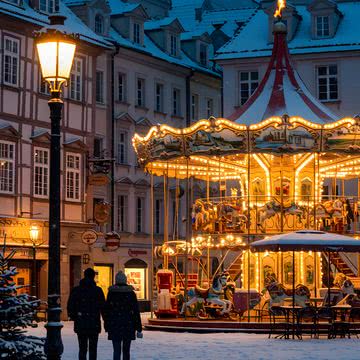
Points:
[(89, 237), (136, 253), (102, 212), (99, 179), (112, 241)]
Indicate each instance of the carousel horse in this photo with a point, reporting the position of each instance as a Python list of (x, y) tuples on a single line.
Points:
[(203, 215), (273, 207), (344, 283), (330, 209), (210, 295), (232, 214), (278, 293)]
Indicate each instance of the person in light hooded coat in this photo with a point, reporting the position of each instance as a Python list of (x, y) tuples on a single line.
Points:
[(122, 316)]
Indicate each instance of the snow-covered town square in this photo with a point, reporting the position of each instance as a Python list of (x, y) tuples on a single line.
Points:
[(179, 179), (168, 345)]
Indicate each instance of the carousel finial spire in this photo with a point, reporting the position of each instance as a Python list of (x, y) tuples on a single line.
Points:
[(281, 4)]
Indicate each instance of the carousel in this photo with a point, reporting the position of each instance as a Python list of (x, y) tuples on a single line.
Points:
[(282, 163)]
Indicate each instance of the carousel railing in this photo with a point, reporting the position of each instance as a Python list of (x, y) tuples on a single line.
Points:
[(275, 214)]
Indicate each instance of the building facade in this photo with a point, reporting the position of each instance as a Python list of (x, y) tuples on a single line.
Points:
[(25, 146)]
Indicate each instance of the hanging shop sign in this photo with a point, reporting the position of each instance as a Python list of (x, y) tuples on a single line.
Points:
[(89, 237), (136, 253), (112, 241), (102, 212), (98, 179)]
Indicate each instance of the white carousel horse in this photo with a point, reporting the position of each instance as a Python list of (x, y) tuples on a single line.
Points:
[(278, 293), (272, 208), (232, 214), (210, 295)]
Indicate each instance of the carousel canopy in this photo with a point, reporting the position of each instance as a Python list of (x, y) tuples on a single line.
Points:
[(282, 91), (308, 240)]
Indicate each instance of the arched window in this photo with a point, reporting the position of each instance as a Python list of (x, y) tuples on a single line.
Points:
[(99, 24)]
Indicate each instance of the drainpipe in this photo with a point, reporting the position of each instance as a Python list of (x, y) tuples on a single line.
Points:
[(222, 96), (113, 137), (188, 98)]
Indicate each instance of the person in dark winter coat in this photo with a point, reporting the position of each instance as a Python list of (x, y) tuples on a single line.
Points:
[(85, 304), (122, 316)]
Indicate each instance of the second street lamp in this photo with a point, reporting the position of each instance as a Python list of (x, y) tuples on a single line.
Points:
[(56, 51), (34, 235)]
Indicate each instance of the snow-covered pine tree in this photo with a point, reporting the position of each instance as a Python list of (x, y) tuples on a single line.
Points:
[(17, 312)]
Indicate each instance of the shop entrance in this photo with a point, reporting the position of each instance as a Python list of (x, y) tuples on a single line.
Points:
[(104, 276), (135, 270)]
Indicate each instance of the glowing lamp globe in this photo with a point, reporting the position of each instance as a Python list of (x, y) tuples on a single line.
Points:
[(34, 233), (56, 50)]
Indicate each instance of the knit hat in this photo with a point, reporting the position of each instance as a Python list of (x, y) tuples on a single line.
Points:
[(120, 278)]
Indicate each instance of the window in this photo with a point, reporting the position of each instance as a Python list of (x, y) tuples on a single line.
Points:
[(249, 81), (76, 80), (322, 26), (173, 45), (11, 61), (122, 212), (41, 172), (7, 167), (209, 107), (159, 97), (44, 87), (194, 107), (100, 87), (158, 207), (98, 147), (136, 33), (122, 147), (139, 214), (121, 87), (203, 54), (72, 176), (47, 6), (140, 92), (99, 24), (327, 78), (176, 102)]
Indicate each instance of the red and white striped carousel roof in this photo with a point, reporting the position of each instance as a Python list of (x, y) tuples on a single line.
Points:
[(282, 91)]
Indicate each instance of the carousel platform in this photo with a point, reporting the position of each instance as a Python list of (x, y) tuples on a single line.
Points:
[(194, 325)]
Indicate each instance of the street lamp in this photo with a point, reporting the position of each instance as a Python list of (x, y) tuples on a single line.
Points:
[(34, 235), (56, 51)]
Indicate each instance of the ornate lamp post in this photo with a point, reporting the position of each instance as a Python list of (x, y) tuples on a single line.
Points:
[(34, 235), (56, 51)]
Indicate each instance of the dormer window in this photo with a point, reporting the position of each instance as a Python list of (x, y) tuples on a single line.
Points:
[(99, 24), (322, 26), (136, 33), (203, 54), (47, 6), (173, 45)]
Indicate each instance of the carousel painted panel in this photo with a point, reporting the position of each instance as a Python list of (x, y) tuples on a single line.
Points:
[(343, 139), (282, 139), (221, 142)]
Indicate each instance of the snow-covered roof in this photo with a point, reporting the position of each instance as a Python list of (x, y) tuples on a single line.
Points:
[(230, 14), (184, 10), (72, 23), (282, 91), (308, 240), (252, 41), (120, 7), (151, 49), (157, 24), (231, 20)]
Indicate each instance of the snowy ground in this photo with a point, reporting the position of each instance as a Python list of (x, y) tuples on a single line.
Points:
[(167, 346)]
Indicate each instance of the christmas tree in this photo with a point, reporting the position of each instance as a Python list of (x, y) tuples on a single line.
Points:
[(17, 312)]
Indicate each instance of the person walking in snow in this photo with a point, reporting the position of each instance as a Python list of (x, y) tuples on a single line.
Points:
[(85, 305), (122, 316)]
